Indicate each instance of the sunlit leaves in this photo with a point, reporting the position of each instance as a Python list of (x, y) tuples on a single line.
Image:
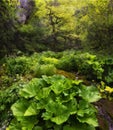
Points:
[(59, 87), (59, 112), (31, 89), (20, 107), (85, 112), (25, 113), (61, 14), (56, 99), (90, 94), (31, 110), (28, 122), (91, 120)]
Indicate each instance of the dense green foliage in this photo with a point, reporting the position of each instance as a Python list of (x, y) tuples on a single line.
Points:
[(56, 25), (56, 88), (53, 102), (45, 78), (7, 27), (95, 21), (85, 64)]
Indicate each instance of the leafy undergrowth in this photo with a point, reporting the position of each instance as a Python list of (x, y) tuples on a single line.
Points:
[(51, 102), (53, 90)]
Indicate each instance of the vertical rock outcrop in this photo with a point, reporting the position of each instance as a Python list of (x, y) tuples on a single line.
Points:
[(25, 10)]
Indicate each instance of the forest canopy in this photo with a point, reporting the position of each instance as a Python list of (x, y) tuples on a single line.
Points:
[(36, 25)]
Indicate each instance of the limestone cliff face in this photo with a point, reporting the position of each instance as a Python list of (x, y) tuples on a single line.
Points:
[(24, 10)]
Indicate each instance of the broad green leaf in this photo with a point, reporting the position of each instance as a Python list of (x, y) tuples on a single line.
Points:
[(47, 115), (20, 107), (90, 93), (14, 125), (43, 93), (32, 88), (56, 108), (43, 103), (57, 87), (91, 120), (31, 110), (86, 113), (53, 79), (61, 85), (28, 122), (56, 112), (72, 106), (77, 82), (59, 119), (67, 95), (85, 108)]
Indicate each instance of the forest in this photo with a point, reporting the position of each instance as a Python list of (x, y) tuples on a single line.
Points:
[(56, 64)]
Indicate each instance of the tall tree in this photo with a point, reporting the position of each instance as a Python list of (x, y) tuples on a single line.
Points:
[(95, 25), (6, 24), (57, 16)]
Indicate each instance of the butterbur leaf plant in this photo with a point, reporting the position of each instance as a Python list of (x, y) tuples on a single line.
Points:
[(56, 103)]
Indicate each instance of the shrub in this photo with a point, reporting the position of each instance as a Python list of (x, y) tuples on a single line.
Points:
[(108, 71), (67, 63), (86, 64), (55, 102), (7, 98), (18, 65), (109, 77), (48, 69), (49, 60), (89, 65)]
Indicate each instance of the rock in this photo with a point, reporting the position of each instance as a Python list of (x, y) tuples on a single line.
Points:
[(105, 114)]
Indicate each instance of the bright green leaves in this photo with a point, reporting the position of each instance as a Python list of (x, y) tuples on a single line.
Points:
[(86, 113), (24, 112), (32, 88), (31, 110), (56, 112), (55, 99), (55, 18), (85, 63), (54, 79), (20, 107), (72, 106), (24, 108), (61, 85), (57, 87), (27, 123), (91, 120), (43, 93), (89, 94), (85, 108)]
